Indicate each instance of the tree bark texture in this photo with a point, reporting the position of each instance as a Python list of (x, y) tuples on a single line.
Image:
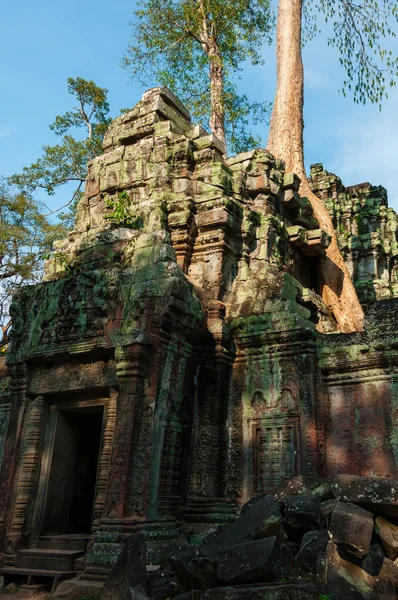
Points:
[(217, 113), (286, 142), (209, 44)]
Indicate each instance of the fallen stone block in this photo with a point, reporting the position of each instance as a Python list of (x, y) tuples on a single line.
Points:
[(373, 562), (377, 494), (297, 486), (389, 536), (349, 581), (74, 587), (293, 486), (129, 573), (261, 520), (137, 593), (258, 561), (192, 570), (312, 544), (162, 584), (328, 507), (302, 514), (351, 527)]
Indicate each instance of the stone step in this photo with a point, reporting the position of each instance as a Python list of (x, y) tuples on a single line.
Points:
[(63, 542), (35, 588), (40, 558), (37, 573)]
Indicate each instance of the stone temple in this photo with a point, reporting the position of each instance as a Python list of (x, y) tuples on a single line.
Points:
[(178, 359)]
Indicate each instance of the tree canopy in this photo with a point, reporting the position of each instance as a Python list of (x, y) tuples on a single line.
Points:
[(25, 235), (360, 32), (66, 162), (195, 47)]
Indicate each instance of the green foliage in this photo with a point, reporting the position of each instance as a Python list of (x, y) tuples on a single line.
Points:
[(67, 161), (25, 235), (121, 214), (358, 28), (167, 48)]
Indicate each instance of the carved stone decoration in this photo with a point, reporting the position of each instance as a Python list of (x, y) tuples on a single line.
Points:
[(287, 401), (258, 401), (29, 469), (144, 419), (105, 456), (4, 417)]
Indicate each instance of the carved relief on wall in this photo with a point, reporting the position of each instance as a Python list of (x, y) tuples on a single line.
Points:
[(274, 439), (176, 441), (282, 402)]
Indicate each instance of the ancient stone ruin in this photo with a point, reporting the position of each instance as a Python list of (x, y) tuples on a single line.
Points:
[(178, 360)]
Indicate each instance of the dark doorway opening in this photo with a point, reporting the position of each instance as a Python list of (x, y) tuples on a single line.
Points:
[(73, 473)]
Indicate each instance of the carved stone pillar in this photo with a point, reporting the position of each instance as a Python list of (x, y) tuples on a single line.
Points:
[(207, 496), (17, 401), (28, 472), (105, 457), (125, 488)]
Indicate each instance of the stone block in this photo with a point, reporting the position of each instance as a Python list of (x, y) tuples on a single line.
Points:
[(261, 520), (162, 584), (193, 571), (389, 536), (296, 485), (258, 561), (328, 507), (312, 544), (373, 562), (378, 494), (291, 181), (302, 514), (351, 527), (349, 581), (210, 141), (129, 572), (291, 198)]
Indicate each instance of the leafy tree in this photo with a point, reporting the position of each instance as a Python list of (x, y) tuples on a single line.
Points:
[(358, 28), (25, 234), (194, 47), (67, 161)]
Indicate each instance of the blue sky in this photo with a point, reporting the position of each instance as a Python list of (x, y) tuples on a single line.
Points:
[(43, 43)]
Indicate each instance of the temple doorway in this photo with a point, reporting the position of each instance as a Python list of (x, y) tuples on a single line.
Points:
[(73, 472)]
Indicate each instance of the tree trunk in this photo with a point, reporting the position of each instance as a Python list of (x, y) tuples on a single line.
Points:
[(286, 142), (217, 113), (209, 44)]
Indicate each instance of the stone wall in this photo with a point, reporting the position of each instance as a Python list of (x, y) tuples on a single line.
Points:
[(184, 305), (367, 233)]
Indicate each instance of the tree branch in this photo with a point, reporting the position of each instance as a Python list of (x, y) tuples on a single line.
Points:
[(67, 204)]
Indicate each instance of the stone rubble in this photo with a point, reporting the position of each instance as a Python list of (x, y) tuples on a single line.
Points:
[(349, 556)]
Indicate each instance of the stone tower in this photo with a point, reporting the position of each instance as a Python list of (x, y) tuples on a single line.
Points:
[(178, 359)]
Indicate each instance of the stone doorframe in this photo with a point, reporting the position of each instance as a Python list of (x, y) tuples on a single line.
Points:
[(105, 449)]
